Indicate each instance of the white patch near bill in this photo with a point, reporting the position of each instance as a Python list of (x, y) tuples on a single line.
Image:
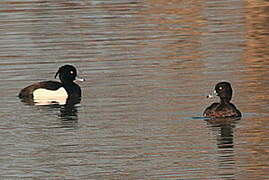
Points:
[(45, 97)]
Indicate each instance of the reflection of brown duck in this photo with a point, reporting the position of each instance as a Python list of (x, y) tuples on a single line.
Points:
[(48, 92), (225, 127), (224, 108)]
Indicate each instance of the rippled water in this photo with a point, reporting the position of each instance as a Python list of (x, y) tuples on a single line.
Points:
[(148, 66)]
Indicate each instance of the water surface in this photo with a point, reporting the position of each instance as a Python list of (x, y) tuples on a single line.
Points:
[(148, 67)]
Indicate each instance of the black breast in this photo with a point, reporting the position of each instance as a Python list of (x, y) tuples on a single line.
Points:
[(73, 90)]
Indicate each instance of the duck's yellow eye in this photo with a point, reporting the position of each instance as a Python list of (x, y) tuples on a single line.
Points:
[(220, 88), (71, 72)]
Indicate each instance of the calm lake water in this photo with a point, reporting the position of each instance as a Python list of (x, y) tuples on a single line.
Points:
[(148, 67)]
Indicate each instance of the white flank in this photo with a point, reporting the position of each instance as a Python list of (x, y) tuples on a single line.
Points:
[(45, 97)]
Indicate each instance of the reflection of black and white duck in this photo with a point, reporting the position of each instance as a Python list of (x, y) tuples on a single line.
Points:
[(224, 108), (52, 91)]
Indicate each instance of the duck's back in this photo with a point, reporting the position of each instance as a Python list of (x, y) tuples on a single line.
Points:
[(28, 91), (218, 110)]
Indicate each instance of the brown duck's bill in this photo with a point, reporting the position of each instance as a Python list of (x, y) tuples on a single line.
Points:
[(212, 95)]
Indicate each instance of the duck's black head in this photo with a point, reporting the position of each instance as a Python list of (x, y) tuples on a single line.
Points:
[(224, 91), (67, 73)]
